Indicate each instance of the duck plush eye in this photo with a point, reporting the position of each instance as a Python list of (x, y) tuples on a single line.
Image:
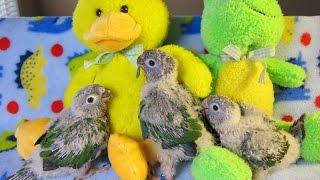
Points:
[(151, 63), (124, 9), (99, 12), (90, 100)]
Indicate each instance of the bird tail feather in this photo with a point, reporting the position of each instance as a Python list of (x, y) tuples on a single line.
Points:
[(23, 174)]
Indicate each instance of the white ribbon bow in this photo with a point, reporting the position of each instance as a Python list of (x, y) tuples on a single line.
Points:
[(233, 52), (132, 54)]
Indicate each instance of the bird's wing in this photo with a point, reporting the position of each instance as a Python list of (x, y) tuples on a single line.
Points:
[(54, 141), (170, 135), (144, 128), (264, 152), (52, 161)]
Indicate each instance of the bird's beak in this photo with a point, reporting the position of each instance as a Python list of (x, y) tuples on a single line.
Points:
[(138, 72), (106, 95), (205, 104)]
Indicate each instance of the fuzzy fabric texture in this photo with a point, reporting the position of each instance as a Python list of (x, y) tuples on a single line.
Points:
[(310, 146), (240, 82), (219, 163), (123, 152), (297, 172), (300, 46), (152, 15), (249, 25)]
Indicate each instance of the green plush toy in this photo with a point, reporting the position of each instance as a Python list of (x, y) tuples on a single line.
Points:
[(241, 36), (310, 146), (220, 164)]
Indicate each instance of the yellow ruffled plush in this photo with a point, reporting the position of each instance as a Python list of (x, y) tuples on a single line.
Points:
[(240, 81), (127, 158), (28, 133)]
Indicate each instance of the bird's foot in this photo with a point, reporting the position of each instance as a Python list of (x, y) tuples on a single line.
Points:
[(297, 130)]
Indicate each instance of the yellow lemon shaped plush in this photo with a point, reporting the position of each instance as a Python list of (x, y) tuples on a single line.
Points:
[(28, 133), (127, 158), (240, 81)]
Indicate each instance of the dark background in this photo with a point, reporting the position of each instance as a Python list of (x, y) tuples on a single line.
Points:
[(177, 7)]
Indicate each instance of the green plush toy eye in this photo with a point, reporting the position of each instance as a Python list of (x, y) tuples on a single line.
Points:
[(269, 8)]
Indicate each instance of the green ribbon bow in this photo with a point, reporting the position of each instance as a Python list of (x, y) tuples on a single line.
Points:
[(233, 52), (131, 53)]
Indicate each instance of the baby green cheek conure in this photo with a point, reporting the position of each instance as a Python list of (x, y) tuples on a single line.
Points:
[(73, 141)]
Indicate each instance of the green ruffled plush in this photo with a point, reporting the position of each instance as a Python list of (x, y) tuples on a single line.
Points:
[(310, 146), (7, 141), (220, 164)]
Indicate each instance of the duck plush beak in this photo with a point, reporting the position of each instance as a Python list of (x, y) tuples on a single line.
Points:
[(114, 32)]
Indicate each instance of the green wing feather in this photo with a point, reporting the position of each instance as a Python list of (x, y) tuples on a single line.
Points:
[(75, 161), (170, 136), (53, 161), (269, 160)]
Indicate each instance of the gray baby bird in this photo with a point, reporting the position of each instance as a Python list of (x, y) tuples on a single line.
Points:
[(74, 140), (251, 134), (169, 114)]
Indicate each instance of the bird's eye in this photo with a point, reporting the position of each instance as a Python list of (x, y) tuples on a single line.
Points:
[(215, 107), (151, 63), (99, 12), (90, 100), (124, 9)]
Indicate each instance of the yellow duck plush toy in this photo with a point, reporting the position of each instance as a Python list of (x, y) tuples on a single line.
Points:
[(117, 32)]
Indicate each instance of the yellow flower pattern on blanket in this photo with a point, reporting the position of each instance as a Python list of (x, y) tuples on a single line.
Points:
[(33, 79)]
